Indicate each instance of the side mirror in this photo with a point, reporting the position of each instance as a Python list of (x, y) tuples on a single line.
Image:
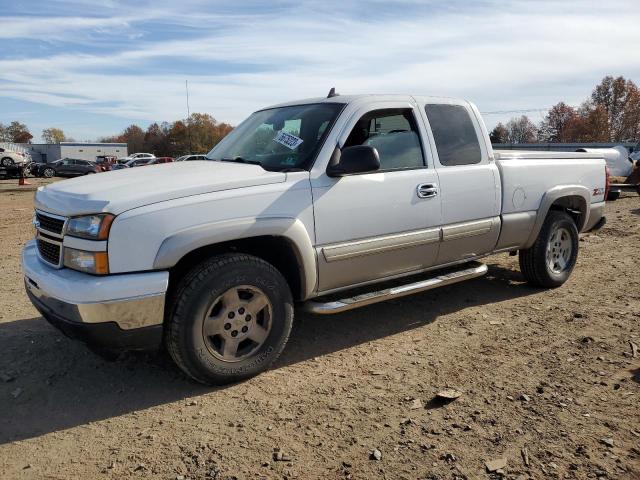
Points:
[(352, 160)]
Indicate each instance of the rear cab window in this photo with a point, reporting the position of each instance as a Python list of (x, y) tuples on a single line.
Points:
[(454, 134)]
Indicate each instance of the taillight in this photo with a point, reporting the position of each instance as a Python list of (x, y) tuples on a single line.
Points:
[(607, 181)]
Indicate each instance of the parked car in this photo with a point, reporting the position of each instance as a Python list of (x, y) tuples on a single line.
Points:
[(159, 160), (105, 162), (137, 162), (318, 202), (136, 156), (188, 158), (66, 167), (9, 158)]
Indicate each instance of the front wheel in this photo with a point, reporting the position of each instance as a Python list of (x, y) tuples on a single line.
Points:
[(550, 261), (48, 172), (230, 319), (7, 161)]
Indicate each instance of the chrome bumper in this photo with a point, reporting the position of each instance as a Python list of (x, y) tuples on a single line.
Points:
[(131, 301)]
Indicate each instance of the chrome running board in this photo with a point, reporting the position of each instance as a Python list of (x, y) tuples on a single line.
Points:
[(344, 304)]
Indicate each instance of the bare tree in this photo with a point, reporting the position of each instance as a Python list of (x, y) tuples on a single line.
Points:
[(620, 99), (521, 130)]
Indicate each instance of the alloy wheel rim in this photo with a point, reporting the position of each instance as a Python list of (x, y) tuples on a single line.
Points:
[(237, 323), (559, 250)]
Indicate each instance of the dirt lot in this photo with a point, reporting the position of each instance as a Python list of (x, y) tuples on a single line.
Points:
[(548, 378)]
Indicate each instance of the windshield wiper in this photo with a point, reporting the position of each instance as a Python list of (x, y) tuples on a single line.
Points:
[(240, 160)]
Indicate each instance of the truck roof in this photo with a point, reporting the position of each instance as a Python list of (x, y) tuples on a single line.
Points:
[(371, 96)]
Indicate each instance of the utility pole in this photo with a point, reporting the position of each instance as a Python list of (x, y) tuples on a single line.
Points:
[(186, 84)]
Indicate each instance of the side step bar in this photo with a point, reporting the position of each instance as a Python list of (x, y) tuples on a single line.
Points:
[(344, 304)]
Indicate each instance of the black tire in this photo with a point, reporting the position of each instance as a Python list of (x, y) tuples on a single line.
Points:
[(6, 161), (534, 262), (48, 172), (196, 296)]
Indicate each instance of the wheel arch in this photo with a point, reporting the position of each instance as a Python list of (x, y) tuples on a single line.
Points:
[(572, 199), (283, 242)]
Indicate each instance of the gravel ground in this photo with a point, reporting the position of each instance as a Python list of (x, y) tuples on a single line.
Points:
[(550, 385)]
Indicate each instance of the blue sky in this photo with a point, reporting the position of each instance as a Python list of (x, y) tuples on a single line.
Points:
[(92, 67)]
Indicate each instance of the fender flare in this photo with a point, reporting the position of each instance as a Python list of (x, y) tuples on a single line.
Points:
[(179, 244), (550, 197)]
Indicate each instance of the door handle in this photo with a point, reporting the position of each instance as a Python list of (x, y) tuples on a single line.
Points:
[(427, 190)]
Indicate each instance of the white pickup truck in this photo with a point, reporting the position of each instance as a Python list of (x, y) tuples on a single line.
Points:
[(304, 202)]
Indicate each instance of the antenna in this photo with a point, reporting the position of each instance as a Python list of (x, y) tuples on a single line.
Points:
[(332, 93), (186, 85)]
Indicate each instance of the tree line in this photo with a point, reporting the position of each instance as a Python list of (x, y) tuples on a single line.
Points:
[(610, 114), (196, 134)]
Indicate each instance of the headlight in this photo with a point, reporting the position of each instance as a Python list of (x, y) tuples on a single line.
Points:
[(89, 262), (94, 227)]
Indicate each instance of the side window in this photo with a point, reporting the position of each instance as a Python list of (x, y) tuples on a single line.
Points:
[(394, 133), (456, 139), (292, 126)]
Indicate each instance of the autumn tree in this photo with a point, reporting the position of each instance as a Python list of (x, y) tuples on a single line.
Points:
[(156, 139), (17, 132), (499, 134), (521, 130), (619, 99), (204, 131), (178, 137), (556, 125), (53, 135), (590, 124)]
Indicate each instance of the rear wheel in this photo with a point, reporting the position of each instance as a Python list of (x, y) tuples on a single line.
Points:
[(550, 261), (6, 161), (230, 320)]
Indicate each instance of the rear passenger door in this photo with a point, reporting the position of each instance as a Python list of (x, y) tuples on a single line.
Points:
[(469, 181)]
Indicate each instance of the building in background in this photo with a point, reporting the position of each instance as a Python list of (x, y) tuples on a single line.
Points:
[(50, 152)]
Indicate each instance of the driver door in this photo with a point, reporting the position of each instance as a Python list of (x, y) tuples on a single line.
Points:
[(379, 225)]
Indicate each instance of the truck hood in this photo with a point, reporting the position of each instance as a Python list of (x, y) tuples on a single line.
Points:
[(121, 190)]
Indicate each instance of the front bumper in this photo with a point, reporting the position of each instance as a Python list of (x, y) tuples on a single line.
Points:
[(117, 311)]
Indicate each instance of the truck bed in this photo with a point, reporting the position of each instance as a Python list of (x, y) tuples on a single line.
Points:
[(527, 175)]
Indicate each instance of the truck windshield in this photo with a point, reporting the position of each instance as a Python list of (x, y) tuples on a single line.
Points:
[(285, 138)]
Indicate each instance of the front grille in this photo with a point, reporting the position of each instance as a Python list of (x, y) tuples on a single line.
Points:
[(50, 224), (49, 252)]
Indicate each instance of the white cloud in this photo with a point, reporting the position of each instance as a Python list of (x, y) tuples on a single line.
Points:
[(524, 55)]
